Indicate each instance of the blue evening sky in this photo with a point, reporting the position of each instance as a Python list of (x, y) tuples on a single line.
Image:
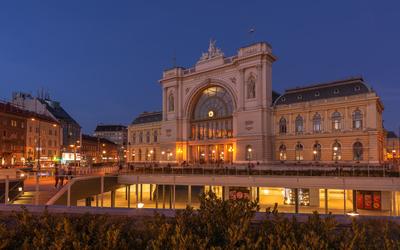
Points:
[(103, 59)]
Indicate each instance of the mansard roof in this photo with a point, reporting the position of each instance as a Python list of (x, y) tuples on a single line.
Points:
[(86, 137), (340, 88), (147, 117), (57, 111), (113, 128), (391, 134), (11, 108)]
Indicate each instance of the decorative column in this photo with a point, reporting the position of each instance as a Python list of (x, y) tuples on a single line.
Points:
[(259, 92), (242, 83)]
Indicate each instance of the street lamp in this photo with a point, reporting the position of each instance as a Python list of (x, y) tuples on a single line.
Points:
[(249, 150), (230, 150), (39, 149)]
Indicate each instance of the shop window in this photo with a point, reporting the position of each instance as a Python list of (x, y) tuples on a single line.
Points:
[(282, 126), (369, 200), (303, 195)]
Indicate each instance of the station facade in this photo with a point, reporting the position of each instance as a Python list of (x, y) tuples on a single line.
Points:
[(224, 110)]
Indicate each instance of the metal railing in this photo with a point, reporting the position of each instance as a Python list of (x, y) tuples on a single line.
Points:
[(261, 170)]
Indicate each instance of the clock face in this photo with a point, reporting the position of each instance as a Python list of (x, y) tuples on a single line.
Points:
[(210, 113)]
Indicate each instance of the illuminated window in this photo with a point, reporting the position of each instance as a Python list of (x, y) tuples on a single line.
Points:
[(282, 152), (336, 121), (336, 151), (299, 152), (317, 152)]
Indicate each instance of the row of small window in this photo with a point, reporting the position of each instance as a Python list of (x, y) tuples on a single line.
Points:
[(50, 152), (148, 137), (336, 151), (317, 122), (50, 143), (37, 131), (145, 155), (14, 124), (11, 135), (336, 91)]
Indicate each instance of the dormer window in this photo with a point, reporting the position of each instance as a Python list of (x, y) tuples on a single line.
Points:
[(317, 93), (299, 97), (357, 88), (283, 99), (336, 91)]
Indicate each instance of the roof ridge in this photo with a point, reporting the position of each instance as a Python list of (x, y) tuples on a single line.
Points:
[(324, 84)]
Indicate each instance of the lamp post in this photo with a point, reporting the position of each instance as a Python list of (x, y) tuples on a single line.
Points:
[(38, 148), (249, 150), (230, 150), (162, 155)]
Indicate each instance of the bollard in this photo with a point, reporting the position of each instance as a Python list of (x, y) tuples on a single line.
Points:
[(37, 189), (69, 192), (102, 190), (7, 189)]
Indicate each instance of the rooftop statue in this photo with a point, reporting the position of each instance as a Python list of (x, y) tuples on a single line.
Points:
[(212, 52)]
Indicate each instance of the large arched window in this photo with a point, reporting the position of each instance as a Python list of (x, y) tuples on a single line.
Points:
[(336, 151), (148, 137), (317, 126), (299, 124), (213, 102), (282, 153), (299, 152), (251, 87), (317, 151), (171, 102), (336, 121), (282, 126), (212, 113), (357, 151), (357, 119)]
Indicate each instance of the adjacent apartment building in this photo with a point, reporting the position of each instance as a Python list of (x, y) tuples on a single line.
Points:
[(71, 130)]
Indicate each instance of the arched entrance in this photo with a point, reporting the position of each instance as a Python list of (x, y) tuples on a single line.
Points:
[(211, 126)]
